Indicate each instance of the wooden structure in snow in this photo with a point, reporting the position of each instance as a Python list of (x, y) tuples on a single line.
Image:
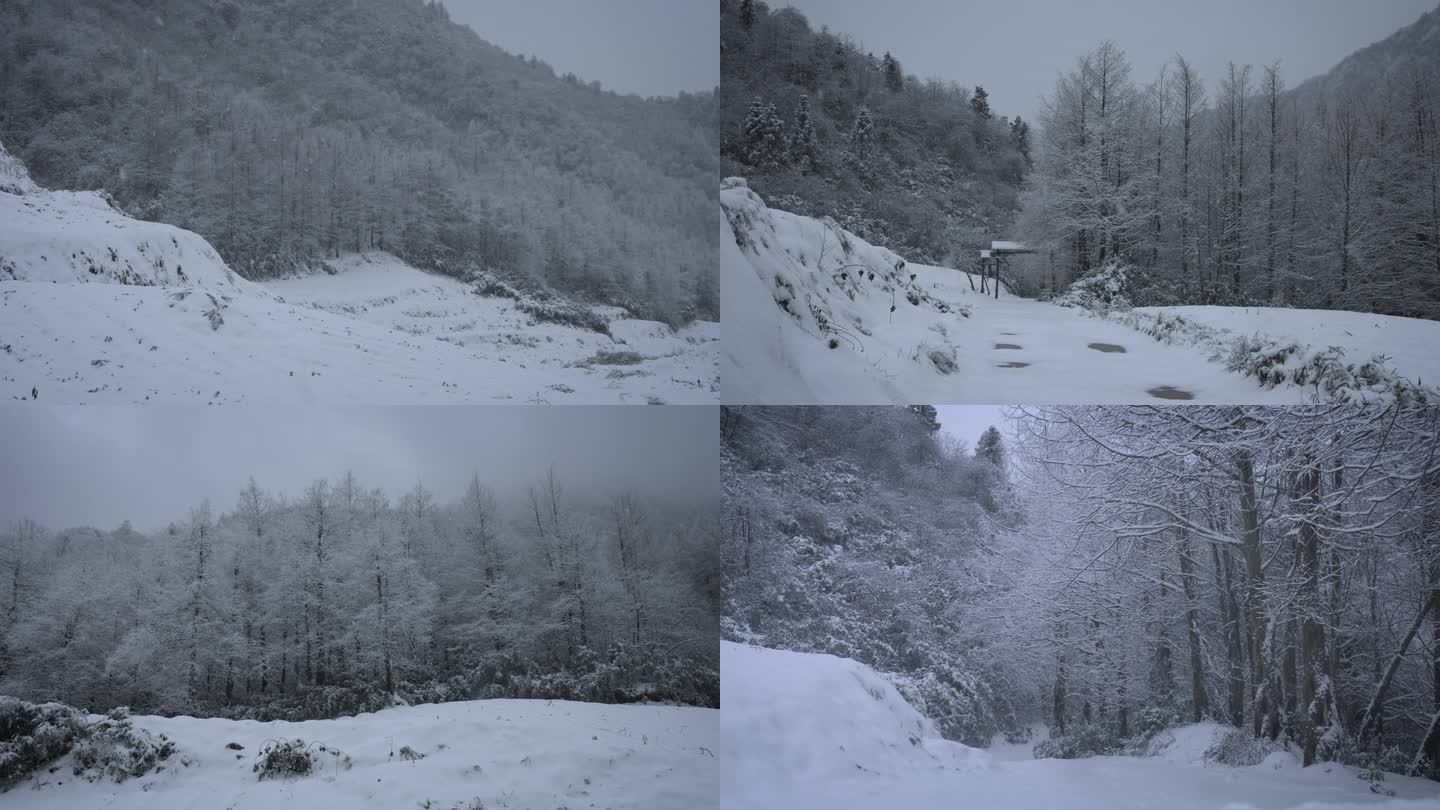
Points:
[(992, 260)]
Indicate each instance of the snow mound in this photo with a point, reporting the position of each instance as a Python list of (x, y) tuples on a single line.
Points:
[(1185, 745), (483, 753), (815, 307), (14, 177), (795, 721), (77, 236)]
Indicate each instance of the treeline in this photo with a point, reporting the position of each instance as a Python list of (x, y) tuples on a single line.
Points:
[(340, 600), (822, 128), (857, 531), (287, 131), (1273, 569), (1250, 196)]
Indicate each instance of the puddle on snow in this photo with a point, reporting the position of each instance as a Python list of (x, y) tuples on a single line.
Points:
[(1108, 348), (1169, 392), (1011, 365), (1007, 346)]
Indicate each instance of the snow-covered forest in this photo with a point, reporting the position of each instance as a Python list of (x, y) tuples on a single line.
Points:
[(1236, 189), (1101, 581), (344, 598), (286, 132), (822, 127)]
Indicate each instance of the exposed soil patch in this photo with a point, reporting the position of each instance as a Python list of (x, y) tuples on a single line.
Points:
[(1169, 392), (1008, 346), (1108, 348), (1011, 365)]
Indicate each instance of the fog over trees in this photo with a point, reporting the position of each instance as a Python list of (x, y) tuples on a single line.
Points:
[(1110, 572), (343, 598)]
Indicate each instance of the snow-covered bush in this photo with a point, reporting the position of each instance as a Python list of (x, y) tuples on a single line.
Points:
[(32, 735), (1086, 740), (1104, 291), (962, 704), (1237, 747), (115, 749), (283, 759), (567, 313)]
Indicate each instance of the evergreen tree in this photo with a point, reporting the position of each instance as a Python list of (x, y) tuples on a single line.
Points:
[(763, 135), (802, 137), (863, 134), (991, 448), (928, 416), (1020, 135), (747, 13), (980, 103), (894, 77)]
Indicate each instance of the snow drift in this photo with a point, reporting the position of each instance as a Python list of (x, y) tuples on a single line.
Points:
[(78, 236), (484, 753), (808, 730), (795, 725)]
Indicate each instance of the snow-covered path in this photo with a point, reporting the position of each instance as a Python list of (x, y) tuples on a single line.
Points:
[(815, 315), (1125, 783), (475, 754), (1069, 356), (809, 730)]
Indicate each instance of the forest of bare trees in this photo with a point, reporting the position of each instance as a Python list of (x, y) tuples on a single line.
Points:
[(1109, 572), (340, 599), (1232, 189)]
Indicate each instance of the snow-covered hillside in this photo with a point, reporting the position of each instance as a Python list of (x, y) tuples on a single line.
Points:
[(814, 314), (487, 753), (804, 730), (98, 307)]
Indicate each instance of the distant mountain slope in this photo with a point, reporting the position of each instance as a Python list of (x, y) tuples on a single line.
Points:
[(287, 130), (1397, 61)]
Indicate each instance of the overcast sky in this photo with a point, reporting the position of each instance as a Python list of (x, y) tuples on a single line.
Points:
[(1017, 48), (68, 467), (967, 422), (647, 47)]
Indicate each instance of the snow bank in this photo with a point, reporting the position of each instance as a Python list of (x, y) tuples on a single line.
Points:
[(77, 236), (489, 753), (814, 313), (809, 320), (1346, 355), (796, 724)]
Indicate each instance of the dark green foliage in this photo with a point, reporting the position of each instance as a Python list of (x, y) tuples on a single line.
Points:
[(980, 103), (900, 162), (288, 132)]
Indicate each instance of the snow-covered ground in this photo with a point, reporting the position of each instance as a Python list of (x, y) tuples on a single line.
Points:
[(1406, 344), (504, 753), (809, 320), (805, 730), (96, 307)]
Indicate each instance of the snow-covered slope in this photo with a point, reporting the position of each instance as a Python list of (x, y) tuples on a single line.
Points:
[(809, 319), (98, 307), (797, 726), (488, 753), (76, 236), (804, 730)]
